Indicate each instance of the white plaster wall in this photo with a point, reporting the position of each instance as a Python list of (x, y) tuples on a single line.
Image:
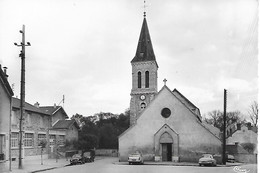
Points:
[(5, 118)]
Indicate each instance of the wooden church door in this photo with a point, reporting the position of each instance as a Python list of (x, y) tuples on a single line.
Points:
[(167, 152)]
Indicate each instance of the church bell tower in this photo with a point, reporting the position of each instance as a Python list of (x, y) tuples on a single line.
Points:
[(144, 74)]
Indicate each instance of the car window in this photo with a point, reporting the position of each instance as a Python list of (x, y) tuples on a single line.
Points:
[(76, 155), (135, 154), (207, 156)]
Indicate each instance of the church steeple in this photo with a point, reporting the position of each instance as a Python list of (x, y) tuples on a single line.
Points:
[(144, 50), (144, 74)]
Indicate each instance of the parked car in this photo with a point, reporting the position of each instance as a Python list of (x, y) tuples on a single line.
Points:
[(89, 156), (136, 157), (77, 158), (230, 158), (207, 159)]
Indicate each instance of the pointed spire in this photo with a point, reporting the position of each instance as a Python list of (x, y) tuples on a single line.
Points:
[(144, 50)]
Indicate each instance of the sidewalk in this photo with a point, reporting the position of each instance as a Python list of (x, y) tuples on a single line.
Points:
[(31, 166), (178, 164)]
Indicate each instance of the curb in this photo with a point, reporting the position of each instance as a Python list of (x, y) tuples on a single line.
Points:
[(44, 169)]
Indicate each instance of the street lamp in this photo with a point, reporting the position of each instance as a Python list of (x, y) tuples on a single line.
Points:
[(22, 92)]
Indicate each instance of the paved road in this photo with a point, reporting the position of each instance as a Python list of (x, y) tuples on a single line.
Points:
[(107, 165)]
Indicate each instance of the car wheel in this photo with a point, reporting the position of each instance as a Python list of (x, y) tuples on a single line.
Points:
[(129, 163), (200, 164)]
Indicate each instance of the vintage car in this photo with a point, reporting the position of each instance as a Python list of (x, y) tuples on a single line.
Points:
[(136, 157), (207, 159), (230, 158), (77, 159), (89, 156)]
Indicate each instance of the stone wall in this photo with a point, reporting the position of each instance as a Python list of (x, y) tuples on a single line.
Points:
[(106, 152), (72, 133), (35, 124)]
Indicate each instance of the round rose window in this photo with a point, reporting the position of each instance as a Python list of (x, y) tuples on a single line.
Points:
[(166, 112)]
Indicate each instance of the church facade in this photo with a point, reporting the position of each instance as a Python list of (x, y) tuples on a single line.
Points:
[(164, 125)]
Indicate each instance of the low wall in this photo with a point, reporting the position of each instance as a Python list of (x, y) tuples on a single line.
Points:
[(106, 152)]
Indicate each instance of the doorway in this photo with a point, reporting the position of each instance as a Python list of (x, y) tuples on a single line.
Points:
[(166, 152), (2, 140)]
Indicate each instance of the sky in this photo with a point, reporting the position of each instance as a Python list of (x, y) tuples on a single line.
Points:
[(82, 49)]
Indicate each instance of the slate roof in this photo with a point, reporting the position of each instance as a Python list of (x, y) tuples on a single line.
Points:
[(65, 124), (144, 50), (4, 81), (28, 107), (53, 109), (188, 103), (213, 129)]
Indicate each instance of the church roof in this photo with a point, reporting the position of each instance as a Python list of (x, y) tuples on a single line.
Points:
[(187, 103), (144, 50)]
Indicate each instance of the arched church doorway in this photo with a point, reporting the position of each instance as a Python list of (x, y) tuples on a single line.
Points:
[(166, 143), (167, 152)]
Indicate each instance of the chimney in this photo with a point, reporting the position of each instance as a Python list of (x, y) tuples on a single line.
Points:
[(55, 106), (5, 71), (249, 126), (37, 105), (238, 126)]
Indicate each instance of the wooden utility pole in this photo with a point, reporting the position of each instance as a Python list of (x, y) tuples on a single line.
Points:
[(224, 128), (22, 95)]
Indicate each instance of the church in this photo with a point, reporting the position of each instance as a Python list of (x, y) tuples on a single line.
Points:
[(164, 125)]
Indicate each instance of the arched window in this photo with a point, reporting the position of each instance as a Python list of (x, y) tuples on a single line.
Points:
[(139, 80), (143, 106), (147, 79)]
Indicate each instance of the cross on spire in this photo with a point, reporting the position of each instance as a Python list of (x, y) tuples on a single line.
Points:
[(164, 80), (144, 9)]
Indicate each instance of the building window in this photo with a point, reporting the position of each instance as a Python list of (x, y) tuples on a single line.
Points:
[(147, 79), (61, 140), (41, 137), (28, 120), (166, 112), (52, 139), (2, 144), (28, 140), (14, 139), (13, 118), (143, 106), (41, 121), (139, 79)]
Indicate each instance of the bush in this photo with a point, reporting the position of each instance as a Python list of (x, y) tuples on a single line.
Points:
[(250, 147)]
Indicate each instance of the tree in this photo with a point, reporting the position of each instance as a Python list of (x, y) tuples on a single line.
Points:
[(102, 129), (216, 118), (87, 141), (79, 119), (253, 113)]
